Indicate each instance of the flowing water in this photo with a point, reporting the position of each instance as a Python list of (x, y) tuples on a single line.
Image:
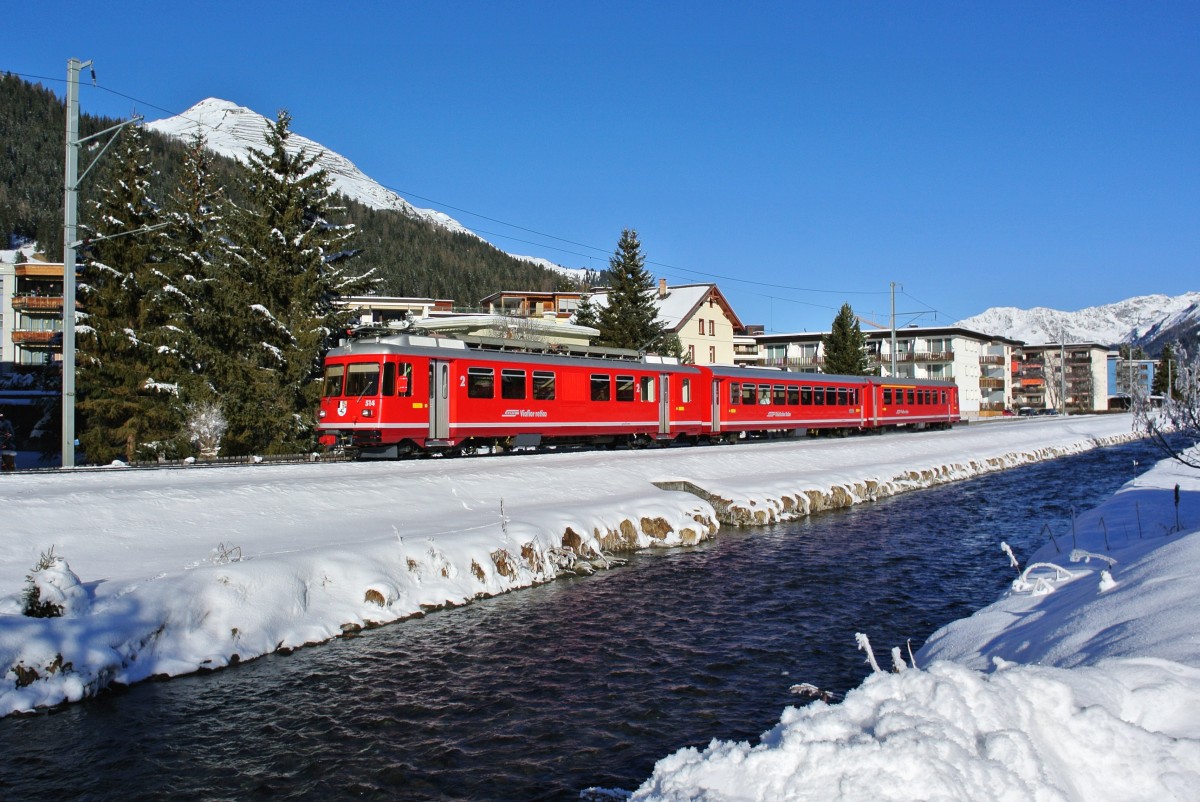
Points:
[(583, 682)]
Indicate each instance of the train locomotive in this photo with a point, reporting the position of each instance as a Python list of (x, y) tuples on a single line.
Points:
[(389, 394)]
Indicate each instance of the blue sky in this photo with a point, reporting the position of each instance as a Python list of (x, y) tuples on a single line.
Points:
[(799, 154)]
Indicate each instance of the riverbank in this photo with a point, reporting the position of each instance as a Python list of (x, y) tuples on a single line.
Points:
[(170, 572), (1081, 683)]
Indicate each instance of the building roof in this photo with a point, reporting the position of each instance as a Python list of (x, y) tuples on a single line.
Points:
[(679, 303), (920, 331)]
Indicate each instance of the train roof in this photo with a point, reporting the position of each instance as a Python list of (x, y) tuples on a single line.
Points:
[(385, 341)]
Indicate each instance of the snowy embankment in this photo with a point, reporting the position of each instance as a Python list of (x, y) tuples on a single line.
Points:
[(1081, 683), (172, 571)]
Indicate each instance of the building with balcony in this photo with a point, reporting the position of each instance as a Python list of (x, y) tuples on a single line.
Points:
[(555, 306), (31, 309), (980, 364), (1070, 377)]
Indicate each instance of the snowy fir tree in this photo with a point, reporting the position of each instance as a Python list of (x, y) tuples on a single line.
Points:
[(292, 262), (220, 319), (630, 319), (845, 345), (127, 378)]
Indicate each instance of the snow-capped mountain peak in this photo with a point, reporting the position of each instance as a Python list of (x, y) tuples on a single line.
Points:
[(1140, 320), (232, 130)]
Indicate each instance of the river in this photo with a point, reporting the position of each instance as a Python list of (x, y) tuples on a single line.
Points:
[(538, 694)]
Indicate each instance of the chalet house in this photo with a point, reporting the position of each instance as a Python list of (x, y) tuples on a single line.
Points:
[(699, 315)]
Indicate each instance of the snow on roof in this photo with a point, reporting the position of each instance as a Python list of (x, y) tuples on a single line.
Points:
[(680, 301)]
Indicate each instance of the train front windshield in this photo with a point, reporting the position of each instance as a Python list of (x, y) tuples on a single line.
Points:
[(355, 381)]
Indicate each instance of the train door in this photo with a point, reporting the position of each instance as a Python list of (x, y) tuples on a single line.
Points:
[(664, 404), (439, 399), (716, 405)]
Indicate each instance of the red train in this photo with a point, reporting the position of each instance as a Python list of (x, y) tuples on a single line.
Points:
[(387, 395)]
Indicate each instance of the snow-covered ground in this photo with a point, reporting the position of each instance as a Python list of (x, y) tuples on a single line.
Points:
[(1097, 686)]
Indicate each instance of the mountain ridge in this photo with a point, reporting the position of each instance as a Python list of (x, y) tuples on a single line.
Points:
[(231, 130), (1146, 321)]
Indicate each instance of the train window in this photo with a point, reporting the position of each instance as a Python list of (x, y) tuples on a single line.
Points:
[(854, 397), (625, 388), (362, 379), (735, 393), (819, 396), (830, 395), (943, 396), (843, 397), (481, 383), (793, 395), (543, 385), (748, 393), (333, 380), (887, 396), (806, 396), (686, 391), (910, 396), (777, 395), (647, 388), (764, 394), (601, 387), (512, 383)]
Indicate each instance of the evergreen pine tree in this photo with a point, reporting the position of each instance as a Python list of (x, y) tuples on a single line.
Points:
[(630, 319), (208, 334), (292, 262), (845, 345), (127, 390), (585, 313)]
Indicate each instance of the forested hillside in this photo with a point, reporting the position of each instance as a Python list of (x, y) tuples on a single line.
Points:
[(411, 257)]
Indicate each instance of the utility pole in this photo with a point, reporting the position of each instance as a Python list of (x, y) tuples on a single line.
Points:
[(70, 212), (893, 347), (71, 181), (1062, 372)]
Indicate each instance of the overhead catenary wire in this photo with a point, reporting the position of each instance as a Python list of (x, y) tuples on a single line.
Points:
[(682, 272)]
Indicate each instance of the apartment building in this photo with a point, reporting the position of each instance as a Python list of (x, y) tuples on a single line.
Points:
[(31, 309), (1069, 377)]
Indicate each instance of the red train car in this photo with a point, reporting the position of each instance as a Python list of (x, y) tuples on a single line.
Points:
[(396, 394), (756, 401), (387, 394), (913, 403)]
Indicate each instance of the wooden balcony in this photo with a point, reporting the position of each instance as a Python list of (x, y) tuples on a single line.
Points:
[(37, 303), (36, 337)]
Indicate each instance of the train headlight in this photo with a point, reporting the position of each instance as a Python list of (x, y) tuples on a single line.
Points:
[(366, 413), (321, 414)]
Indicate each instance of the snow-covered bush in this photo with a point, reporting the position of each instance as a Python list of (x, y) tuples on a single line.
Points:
[(206, 425), (1180, 411), (53, 590)]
